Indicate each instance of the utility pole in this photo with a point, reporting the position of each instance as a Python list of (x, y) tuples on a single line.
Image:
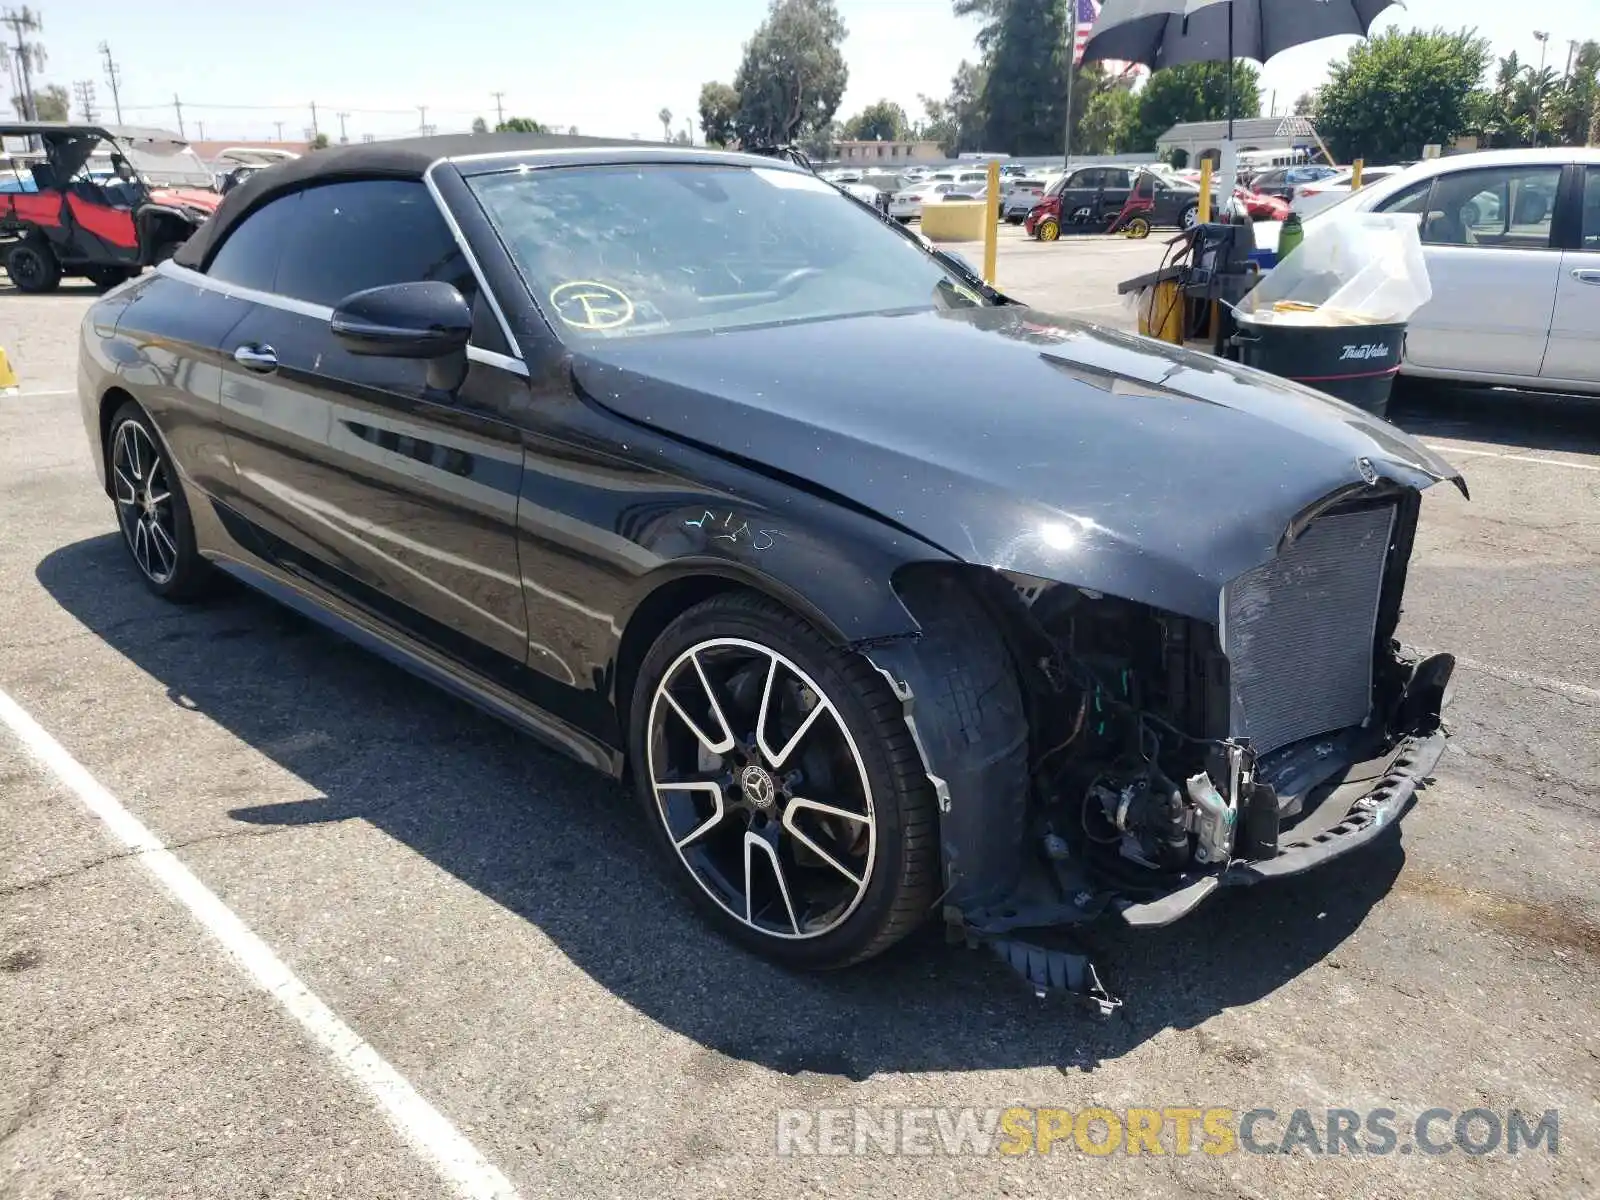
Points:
[(1072, 70), (29, 54), (499, 107), (177, 107), (342, 138), (83, 89), (1572, 48), (113, 77), (423, 124), (201, 126), (279, 124), (1538, 85), (316, 130)]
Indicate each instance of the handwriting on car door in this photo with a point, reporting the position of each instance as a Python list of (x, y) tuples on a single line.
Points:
[(726, 530)]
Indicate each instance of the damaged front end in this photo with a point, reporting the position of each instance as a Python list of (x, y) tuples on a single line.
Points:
[(1172, 756)]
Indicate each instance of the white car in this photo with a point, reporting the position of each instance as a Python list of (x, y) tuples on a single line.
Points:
[(1512, 242), (907, 205), (1311, 198), (1019, 194)]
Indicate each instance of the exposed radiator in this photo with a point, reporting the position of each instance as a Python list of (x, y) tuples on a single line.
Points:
[(1298, 631)]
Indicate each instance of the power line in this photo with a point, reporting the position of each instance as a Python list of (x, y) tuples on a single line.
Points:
[(83, 89), (29, 55), (113, 77)]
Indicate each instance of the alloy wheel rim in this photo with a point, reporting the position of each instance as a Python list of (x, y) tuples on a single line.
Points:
[(761, 788), (144, 502)]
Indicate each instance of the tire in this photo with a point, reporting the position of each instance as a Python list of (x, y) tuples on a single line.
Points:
[(1048, 230), (32, 266), (1189, 216), (882, 873), (151, 509), (1137, 228)]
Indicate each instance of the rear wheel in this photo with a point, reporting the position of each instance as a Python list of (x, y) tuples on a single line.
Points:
[(151, 509), (778, 772), (1047, 230), (1137, 227), (1189, 217), (32, 266)]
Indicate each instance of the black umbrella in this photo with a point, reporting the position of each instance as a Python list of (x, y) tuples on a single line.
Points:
[(1165, 33)]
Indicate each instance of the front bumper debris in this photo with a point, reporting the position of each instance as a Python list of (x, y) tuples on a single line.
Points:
[(1063, 897)]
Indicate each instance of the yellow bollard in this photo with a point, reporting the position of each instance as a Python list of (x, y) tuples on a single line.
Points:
[(991, 226), (8, 377), (1205, 191), (1355, 174)]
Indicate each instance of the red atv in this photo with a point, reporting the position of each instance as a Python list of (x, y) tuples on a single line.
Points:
[(100, 201)]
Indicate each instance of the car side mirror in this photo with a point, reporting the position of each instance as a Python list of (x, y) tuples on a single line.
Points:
[(965, 262), (426, 320)]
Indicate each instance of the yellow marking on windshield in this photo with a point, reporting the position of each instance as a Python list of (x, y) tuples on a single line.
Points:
[(585, 304)]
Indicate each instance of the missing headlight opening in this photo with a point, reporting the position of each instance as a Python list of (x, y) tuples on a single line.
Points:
[(1170, 756)]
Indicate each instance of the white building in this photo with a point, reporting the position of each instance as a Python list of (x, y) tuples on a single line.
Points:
[(1194, 140)]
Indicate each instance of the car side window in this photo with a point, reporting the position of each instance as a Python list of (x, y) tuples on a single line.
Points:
[(1494, 207), (1413, 199), (1116, 178), (249, 256), (351, 236), (1591, 209)]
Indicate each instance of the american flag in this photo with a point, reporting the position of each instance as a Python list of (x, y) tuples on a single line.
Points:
[(1087, 11)]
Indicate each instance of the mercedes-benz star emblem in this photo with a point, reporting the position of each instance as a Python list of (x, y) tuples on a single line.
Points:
[(758, 787), (1368, 472)]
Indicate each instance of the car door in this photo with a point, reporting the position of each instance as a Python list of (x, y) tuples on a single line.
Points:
[(1078, 194), (393, 496), (1116, 183), (1574, 351), (1493, 265)]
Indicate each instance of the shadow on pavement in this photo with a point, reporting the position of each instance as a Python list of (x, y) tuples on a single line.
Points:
[(1504, 416), (565, 849)]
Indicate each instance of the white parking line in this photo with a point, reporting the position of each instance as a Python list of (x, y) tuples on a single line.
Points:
[(427, 1130), (21, 395), (1548, 683), (1531, 458)]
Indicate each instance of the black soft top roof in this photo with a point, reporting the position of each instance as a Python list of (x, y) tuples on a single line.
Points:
[(407, 158)]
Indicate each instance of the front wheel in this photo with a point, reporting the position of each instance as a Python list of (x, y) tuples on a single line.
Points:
[(779, 775), (1047, 230), (151, 509), (32, 266), (1189, 217)]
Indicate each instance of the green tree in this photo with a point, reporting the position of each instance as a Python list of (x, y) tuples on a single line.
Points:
[(884, 121), (1109, 124), (49, 101), (793, 74), (1195, 92), (479, 125), (719, 106), (1027, 81), (320, 142), (1573, 106), (1399, 91), (956, 122), (520, 125)]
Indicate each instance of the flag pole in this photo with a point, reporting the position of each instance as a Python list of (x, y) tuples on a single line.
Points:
[(1072, 62), (1230, 70)]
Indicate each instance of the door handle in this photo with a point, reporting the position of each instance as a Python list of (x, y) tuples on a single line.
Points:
[(256, 358), (1586, 275)]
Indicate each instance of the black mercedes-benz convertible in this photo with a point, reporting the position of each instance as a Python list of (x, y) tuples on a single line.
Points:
[(892, 596)]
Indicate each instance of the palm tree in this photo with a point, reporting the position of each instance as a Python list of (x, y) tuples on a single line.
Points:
[(665, 117)]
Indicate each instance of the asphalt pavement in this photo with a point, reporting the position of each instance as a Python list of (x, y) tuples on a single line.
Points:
[(488, 921)]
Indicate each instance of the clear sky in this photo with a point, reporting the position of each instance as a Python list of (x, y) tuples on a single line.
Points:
[(606, 67)]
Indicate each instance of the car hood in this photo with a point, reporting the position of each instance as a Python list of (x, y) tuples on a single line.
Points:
[(1020, 441), (191, 197)]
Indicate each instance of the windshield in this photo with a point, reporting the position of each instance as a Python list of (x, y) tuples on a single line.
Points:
[(167, 164), (620, 251)]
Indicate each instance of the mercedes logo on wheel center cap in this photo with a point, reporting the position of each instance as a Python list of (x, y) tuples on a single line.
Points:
[(758, 787)]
